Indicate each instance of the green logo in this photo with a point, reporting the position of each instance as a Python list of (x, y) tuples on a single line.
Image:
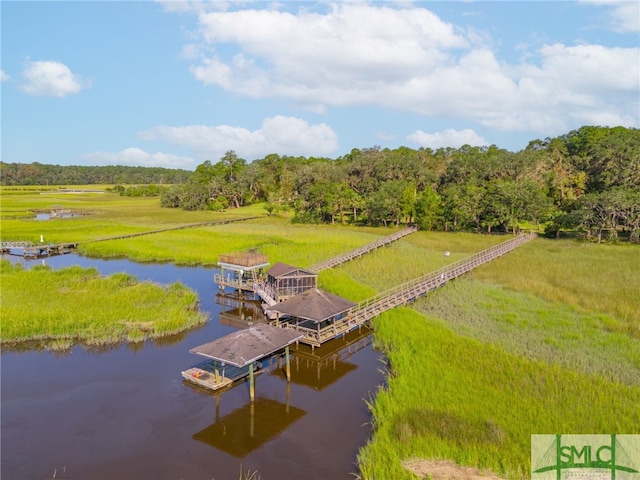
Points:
[(585, 457)]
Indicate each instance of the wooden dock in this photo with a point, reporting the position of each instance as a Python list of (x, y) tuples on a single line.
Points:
[(244, 348), (358, 252), (403, 294), (32, 250), (209, 380)]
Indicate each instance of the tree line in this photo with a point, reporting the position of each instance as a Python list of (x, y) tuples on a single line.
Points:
[(587, 179), (42, 174)]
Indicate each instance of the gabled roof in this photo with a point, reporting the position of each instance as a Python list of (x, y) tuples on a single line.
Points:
[(314, 304), (282, 269)]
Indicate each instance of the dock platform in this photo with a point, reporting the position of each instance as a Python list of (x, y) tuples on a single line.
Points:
[(206, 379)]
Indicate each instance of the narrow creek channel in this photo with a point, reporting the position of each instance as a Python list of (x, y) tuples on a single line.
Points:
[(124, 411)]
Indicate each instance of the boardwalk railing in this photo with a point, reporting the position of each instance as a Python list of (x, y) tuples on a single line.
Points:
[(409, 291), (403, 294), (161, 230), (8, 245), (345, 257)]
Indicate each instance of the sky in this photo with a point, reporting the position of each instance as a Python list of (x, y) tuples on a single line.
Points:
[(175, 83)]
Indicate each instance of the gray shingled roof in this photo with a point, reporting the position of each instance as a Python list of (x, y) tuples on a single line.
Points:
[(280, 269), (246, 346), (314, 304)]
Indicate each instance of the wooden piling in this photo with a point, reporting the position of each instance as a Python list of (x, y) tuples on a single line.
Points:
[(288, 366), (251, 383)]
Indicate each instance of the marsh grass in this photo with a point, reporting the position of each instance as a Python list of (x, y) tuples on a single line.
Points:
[(109, 215), (299, 245), (488, 365), (414, 256), (451, 397), (589, 277), (76, 304), (527, 325), (96, 216)]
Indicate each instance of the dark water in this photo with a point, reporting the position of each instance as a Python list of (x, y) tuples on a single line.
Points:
[(125, 412)]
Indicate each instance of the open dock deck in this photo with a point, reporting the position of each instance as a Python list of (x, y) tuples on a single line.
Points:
[(206, 379)]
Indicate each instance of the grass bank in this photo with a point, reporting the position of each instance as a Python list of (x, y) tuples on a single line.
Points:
[(78, 305), (451, 397)]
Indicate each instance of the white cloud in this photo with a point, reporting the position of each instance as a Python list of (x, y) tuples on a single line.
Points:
[(50, 78), (339, 58), (408, 59), (3, 76), (198, 6), (624, 15), (138, 157), (284, 135), (447, 138)]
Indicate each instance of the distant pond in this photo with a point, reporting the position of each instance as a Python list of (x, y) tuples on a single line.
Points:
[(124, 412)]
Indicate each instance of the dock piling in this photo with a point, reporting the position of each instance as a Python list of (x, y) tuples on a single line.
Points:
[(288, 365), (251, 383)]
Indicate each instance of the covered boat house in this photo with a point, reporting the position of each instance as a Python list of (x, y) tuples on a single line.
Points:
[(242, 350), (320, 315)]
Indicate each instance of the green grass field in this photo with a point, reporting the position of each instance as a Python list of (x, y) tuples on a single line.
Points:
[(79, 305), (453, 397), (542, 340)]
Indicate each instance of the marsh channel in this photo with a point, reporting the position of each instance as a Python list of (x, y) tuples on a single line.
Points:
[(125, 412)]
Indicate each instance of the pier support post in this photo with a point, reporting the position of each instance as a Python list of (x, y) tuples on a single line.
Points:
[(287, 362), (251, 383)]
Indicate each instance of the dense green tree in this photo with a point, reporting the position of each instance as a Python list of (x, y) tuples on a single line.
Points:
[(384, 207), (428, 207)]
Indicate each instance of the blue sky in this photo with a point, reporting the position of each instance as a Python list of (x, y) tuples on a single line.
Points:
[(173, 84)]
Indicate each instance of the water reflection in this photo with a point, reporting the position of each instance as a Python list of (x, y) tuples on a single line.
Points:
[(249, 427), (122, 411), (320, 367), (239, 310)]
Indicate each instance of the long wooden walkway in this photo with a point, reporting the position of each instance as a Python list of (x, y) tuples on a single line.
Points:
[(408, 292), (358, 252), (31, 250)]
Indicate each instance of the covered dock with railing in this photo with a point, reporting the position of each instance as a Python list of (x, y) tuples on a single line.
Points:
[(242, 350), (319, 315)]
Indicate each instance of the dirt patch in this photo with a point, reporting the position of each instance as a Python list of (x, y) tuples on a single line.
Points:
[(445, 470)]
